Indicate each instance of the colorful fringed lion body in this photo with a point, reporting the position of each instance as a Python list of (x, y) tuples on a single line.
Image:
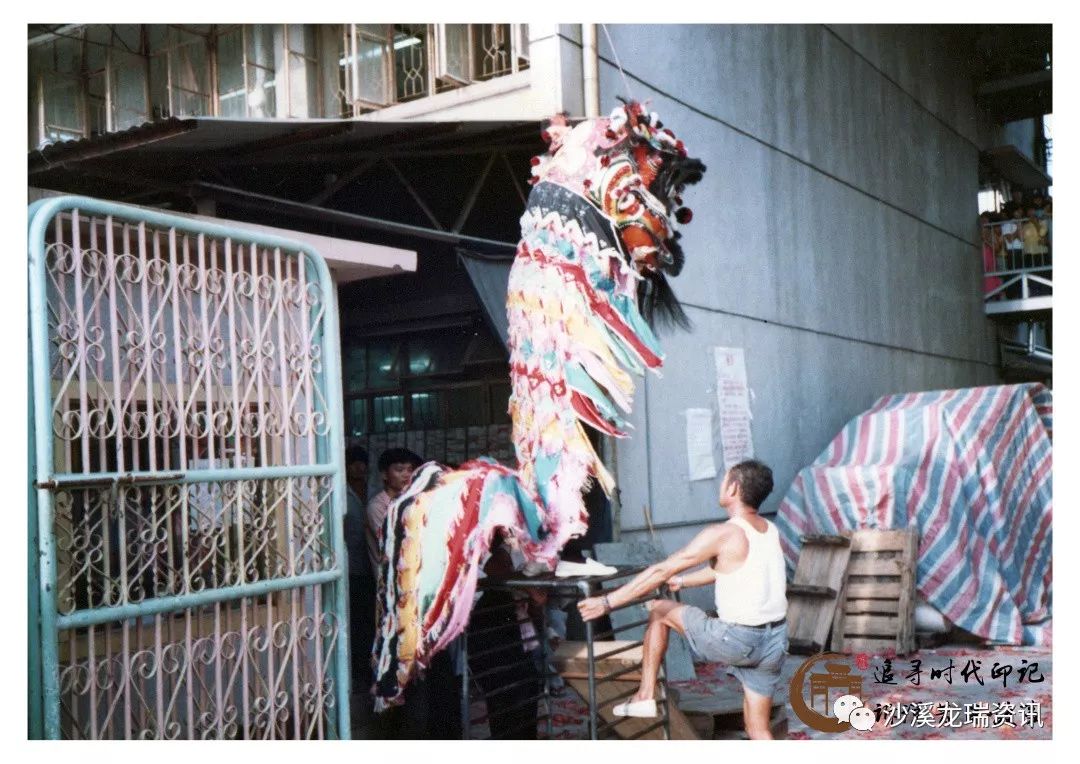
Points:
[(589, 275)]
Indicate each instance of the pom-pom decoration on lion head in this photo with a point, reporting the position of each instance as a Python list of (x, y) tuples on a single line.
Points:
[(598, 240)]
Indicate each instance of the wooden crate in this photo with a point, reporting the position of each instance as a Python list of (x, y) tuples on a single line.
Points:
[(733, 727), (814, 592), (877, 611), (720, 715), (572, 659)]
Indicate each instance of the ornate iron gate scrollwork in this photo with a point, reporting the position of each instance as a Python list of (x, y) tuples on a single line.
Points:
[(187, 481)]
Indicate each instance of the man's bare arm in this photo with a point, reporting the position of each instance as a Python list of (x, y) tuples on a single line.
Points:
[(701, 548), (701, 577)]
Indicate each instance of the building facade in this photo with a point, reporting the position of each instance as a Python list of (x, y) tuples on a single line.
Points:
[(835, 238)]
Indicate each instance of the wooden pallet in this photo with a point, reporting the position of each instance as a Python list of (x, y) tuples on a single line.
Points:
[(733, 727), (814, 592), (719, 716), (878, 598)]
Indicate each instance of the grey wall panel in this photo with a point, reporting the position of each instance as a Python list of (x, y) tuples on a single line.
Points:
[(926, 61), (806, 388), (805, 91), (832, 239), (776, 238), (570, 74), (1022, 135)]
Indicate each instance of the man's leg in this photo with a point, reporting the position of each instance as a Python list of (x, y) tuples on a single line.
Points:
[(664, 615), (756, 711)]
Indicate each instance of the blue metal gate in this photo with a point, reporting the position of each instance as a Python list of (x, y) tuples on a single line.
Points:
[(187, 488)]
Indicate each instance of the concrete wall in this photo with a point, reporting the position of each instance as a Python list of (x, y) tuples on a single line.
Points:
[(1022, 135), (832, 239)]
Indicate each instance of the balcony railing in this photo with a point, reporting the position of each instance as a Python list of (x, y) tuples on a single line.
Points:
[(1018, 266)]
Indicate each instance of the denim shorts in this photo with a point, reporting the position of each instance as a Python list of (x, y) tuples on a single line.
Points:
[(754, 654)]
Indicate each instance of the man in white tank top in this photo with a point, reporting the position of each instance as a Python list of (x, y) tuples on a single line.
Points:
[(744, 563)]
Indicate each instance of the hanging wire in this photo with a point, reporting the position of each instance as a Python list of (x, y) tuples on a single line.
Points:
[(626, 81)]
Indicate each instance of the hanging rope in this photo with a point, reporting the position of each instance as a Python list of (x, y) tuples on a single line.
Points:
[(626, 81)]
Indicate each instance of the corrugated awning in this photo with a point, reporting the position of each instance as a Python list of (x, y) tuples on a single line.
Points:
[(232, 140), (449, 181)]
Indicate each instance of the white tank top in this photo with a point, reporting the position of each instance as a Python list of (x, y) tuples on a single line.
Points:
[(756, 592)]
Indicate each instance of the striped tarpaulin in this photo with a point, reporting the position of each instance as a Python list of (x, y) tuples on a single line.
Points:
[(972, 470)]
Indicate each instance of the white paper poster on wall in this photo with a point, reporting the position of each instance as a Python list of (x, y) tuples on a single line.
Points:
[(733, 403), (699, 444)]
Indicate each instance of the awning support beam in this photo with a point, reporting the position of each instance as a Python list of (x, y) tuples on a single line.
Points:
[(470, 201), (354, 174), (416, 197), (514, 177), (252, 199)]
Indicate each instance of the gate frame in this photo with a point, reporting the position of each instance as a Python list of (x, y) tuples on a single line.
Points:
[(44, 622)]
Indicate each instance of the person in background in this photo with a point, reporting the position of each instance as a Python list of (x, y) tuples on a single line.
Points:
[(990, 283), (1010, 231), (362, 584), (1048, 216), (1033, 235), (396, 467), (357, 472), (997, 241)]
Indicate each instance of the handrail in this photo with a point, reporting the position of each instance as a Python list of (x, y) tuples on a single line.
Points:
[(1018, 272)]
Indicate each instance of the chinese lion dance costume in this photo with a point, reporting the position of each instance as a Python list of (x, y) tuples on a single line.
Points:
[(598, 241)]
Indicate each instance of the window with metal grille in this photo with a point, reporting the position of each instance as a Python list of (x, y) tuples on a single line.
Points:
[(441, 392), (302, 70), (56, 90), (127, 77), (384, 64), (88, 81), (253, 78), (106, 77), (180, 83), (467, 53)]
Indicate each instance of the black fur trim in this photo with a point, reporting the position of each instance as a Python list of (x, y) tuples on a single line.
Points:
[(658, 303)]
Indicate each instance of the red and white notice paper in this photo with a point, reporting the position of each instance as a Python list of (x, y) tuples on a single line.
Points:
[(733, 403)]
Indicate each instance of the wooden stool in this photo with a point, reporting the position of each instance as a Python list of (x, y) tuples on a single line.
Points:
[(571, 661)]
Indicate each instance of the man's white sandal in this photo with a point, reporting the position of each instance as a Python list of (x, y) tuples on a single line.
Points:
[(641, 708)]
